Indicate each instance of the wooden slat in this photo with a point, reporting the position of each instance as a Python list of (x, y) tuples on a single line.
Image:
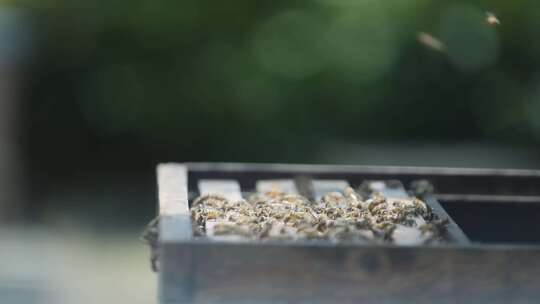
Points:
[(304, 186), (175, 220), (487, 198), (390, 192), (322, 186), (445, 180), (285, 185), (345, 169), (453, 231), (230, 189)]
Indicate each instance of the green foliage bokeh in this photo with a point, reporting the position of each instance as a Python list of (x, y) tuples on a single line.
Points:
[(141, 81)]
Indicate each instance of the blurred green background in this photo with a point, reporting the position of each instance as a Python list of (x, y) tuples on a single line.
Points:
[(100, 91), (119, 85), (110, 88)]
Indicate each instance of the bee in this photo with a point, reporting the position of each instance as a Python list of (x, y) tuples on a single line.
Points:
[(430, 41), (491, 19), (150, 236)]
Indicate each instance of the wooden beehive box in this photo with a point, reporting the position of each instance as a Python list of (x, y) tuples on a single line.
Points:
[(493, 258)]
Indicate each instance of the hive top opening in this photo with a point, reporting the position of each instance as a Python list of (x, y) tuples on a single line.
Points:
[(265, 207), (275, 211)]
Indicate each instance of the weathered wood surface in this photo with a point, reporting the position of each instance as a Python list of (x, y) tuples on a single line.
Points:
[(175, 219), (265, 273)]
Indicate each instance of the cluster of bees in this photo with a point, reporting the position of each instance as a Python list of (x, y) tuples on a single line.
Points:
[(335, 217)]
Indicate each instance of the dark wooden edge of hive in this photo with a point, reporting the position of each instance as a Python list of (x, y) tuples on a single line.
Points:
[(314, 168), (241, 273), (452, 230), (451, 184)]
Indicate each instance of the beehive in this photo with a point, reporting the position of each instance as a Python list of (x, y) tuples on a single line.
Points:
[(466, 267)]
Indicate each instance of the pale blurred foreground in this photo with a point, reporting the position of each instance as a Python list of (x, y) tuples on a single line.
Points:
[(40, 265)]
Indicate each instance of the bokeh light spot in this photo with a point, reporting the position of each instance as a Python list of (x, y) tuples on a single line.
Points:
[(289, 45), (111, 99), (361, 40)]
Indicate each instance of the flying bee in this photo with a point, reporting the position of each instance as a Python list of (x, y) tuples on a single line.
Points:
[(430, 41), (491, 19)]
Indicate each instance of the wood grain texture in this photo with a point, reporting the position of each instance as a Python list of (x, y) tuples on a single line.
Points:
[(266, 273)]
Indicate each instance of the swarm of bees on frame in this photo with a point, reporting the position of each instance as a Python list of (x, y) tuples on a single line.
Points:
[(335, 217)]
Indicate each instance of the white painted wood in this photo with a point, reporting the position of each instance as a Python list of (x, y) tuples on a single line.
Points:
[(228, 188), (284, 185), (322, 186), (175, 219)]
